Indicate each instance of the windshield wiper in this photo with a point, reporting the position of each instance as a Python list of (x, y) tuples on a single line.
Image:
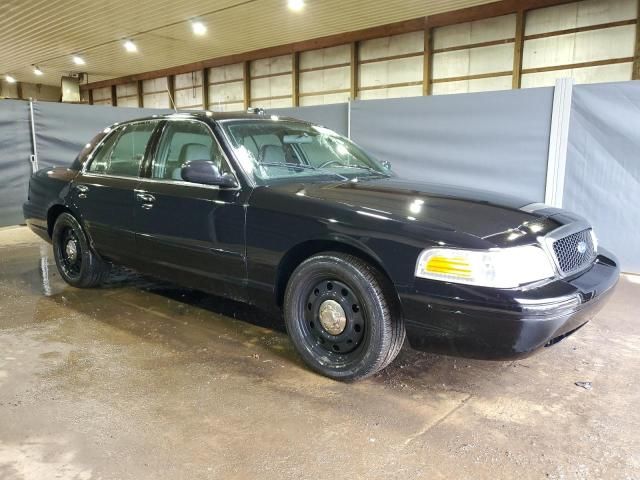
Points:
[(288, 165), (297, 165), (363, 167)]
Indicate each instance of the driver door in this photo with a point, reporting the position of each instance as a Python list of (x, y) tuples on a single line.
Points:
[(186, 231)]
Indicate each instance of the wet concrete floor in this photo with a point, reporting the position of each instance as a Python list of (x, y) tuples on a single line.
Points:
[(143, 380)]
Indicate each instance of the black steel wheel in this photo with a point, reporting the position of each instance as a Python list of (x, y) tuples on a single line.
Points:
[(77, 263), (340, 315)]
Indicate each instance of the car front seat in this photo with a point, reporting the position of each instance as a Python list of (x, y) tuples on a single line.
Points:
[(272, 154)]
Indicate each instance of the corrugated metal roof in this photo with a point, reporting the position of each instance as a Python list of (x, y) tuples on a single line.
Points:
[(48, 32)]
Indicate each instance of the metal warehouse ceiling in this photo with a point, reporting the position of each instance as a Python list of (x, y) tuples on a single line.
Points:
[(47, 32)]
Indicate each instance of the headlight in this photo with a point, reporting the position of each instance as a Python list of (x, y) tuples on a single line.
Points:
[(499, 268)]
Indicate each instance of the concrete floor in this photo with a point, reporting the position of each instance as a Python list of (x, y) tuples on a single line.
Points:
[(139, 380)]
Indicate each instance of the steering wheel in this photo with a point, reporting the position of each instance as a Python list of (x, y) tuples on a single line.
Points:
[(330, 162)]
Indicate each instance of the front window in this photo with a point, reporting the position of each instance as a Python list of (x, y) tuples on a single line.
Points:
[(281, 149), (183, 141)]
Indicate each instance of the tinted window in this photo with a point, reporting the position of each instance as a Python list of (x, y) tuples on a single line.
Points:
[(122, 153), (88, 148), (283, 149), (181, 142)]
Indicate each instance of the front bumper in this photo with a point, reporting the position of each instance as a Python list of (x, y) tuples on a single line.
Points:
[(487, 323)]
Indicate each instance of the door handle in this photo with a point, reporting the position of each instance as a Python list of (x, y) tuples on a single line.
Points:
[(146, 197), (83, 189), (147, 206)]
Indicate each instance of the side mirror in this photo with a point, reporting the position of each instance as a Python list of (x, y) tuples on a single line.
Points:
[(386, 164), (207, 173)]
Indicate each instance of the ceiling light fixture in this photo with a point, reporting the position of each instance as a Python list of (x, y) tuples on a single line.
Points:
[(198, 28), (9, 79), (295, 5), (37, 71), (130, 47), (78, 60)]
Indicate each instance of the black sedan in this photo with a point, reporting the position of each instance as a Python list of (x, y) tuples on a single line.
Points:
[(288, 215)]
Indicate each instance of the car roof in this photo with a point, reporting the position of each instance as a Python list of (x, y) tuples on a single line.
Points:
[(207, 115)]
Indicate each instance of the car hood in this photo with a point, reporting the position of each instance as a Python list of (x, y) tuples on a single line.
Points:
[(483, 214)]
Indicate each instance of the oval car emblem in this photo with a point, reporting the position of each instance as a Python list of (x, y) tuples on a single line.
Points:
[(582, 247)]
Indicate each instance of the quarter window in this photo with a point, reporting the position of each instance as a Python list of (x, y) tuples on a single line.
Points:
[(183, 141), (122, 153)]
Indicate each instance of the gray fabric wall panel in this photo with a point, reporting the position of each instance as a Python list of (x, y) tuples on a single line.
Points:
[(492, 141), (62, 129), (602, 177), (333, 116), (15, 169)]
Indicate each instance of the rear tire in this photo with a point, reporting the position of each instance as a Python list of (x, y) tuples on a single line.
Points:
[(77, 263), (341, 316)]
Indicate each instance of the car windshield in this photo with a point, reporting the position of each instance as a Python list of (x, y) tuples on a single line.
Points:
[(283, 149)]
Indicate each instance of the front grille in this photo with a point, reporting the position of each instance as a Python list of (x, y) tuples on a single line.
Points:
[(567, 250)]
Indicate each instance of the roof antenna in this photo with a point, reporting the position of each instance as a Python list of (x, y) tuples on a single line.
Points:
[(171, 100)]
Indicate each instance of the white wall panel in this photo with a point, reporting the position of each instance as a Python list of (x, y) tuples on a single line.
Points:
[(156, 100), (474, 61), (191, 98), (155, 93), (475, 85), (579, 14), (271, 86), (188, 79), (126, 90), (392, 71), (154, 85), (226, 73), (394, 45), (491, 29), (325, 80), (129, 102), (227, 92), (127, 95), (269, 66), (188, 90), (102, 96), (227, 107), (602, 44), (275, 103), (311, 100), (10, 90), (42, 92), (325, 57), (395, 92), (603, 73)]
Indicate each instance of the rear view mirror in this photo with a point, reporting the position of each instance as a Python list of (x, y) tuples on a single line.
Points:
[(207, 173), (296, 139)]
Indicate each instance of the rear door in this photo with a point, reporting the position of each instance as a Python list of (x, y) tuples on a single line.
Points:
[(103, 192), (190, 232)]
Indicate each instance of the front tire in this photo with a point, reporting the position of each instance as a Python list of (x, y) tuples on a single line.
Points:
[(78, 265), (341, 316)]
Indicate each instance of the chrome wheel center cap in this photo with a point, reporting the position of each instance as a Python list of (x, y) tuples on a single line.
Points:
[(332, 317), (71, 249)]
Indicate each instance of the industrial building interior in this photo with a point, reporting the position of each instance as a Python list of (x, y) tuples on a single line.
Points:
[(148, 375)]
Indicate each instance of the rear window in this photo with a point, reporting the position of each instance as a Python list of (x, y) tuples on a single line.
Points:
[(88, 148)]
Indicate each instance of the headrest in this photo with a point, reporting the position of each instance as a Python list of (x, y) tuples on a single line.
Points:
[(194, 151), (272, 154)]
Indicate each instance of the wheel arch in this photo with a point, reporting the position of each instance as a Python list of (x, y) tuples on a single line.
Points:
[(58, 209), (300, 252), (53, 213)]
